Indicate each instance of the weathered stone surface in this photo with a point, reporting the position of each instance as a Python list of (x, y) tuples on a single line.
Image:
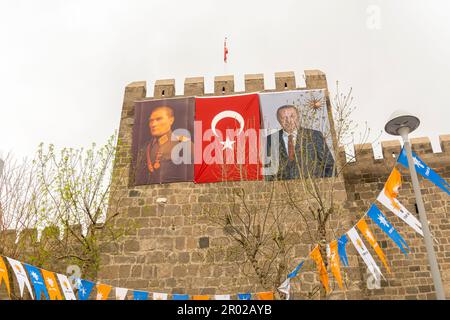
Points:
[(203, 242)]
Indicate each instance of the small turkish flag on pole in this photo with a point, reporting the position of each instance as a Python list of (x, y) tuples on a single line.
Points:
[(225, 51)]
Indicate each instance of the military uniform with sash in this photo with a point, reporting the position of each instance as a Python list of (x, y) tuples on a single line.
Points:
[(155, 163)]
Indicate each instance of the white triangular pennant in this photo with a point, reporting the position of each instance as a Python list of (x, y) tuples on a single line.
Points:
[(21, 276), (364, 253), (222, 297), (401, 212), (66, 288), (159, 296), (285, 287), (121, 293)]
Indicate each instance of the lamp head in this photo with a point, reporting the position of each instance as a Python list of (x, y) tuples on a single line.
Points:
[(399, 120)]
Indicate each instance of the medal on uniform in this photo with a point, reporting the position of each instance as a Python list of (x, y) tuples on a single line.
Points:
[(158, 158), (152, 167)]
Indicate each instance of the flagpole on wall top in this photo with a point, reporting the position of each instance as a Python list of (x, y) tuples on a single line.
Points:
[(402, 123)]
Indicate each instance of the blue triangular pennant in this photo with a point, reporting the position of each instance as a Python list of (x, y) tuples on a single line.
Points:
[(38, 281), (424, 170), (84, 288), (378, 217)]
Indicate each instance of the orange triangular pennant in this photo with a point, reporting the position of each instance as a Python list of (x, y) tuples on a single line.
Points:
[(264, 295), (335, 262), (392, 187), (4, 276), (52, 285), (103, 291), (317, 257), (364, 228)]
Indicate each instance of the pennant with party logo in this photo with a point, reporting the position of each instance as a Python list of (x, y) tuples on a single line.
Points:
[(335, 262), (317, 257), (424, 170), (121, 293), (21, 276), (4, 276), (364, 228), (66, 287), (392, 187), (52, 285), (378, 217), (342, 242), (264, 296), (102, 291), (37, 281), (84, 288), (200, 297), (388, 197), (140, 295), (285, 288), (180, 297), (159, 296), (222, 297), (296, 270), (244, 296), (364, 253)]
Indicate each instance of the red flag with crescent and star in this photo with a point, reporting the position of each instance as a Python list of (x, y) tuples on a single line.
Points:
[(225, 51), (227, 131)]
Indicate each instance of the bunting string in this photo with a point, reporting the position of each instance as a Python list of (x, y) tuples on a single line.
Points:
[(336, 249)]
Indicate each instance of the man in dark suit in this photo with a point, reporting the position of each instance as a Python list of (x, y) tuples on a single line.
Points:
[(301, 152)]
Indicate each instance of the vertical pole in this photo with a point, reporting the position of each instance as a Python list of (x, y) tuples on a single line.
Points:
[(434, 267)]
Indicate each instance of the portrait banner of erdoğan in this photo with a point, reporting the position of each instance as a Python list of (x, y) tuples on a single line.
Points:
[(297, 134), (227, 138), (162, 145)]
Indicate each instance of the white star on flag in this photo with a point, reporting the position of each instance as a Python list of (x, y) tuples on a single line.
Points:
[(383, 221), (227, 144)]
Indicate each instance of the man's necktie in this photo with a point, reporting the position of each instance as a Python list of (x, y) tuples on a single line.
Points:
[(291, 147)]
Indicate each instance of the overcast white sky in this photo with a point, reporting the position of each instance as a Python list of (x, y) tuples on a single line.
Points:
[(64, 64)]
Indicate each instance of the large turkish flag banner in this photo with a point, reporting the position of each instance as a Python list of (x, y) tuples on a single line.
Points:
[(227, 138)]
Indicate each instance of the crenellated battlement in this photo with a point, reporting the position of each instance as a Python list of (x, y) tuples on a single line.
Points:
[(29, 235), (225, 84), (365, 159)]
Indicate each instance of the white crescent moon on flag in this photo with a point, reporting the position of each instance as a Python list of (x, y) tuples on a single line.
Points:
[(227, 114)]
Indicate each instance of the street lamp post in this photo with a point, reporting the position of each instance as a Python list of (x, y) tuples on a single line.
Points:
[(402, 123)]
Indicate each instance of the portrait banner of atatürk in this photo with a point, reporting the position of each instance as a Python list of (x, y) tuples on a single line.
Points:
[(163, 134)]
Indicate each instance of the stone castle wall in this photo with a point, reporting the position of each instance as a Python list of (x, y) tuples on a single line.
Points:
[(176, 249), (365, 178)]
